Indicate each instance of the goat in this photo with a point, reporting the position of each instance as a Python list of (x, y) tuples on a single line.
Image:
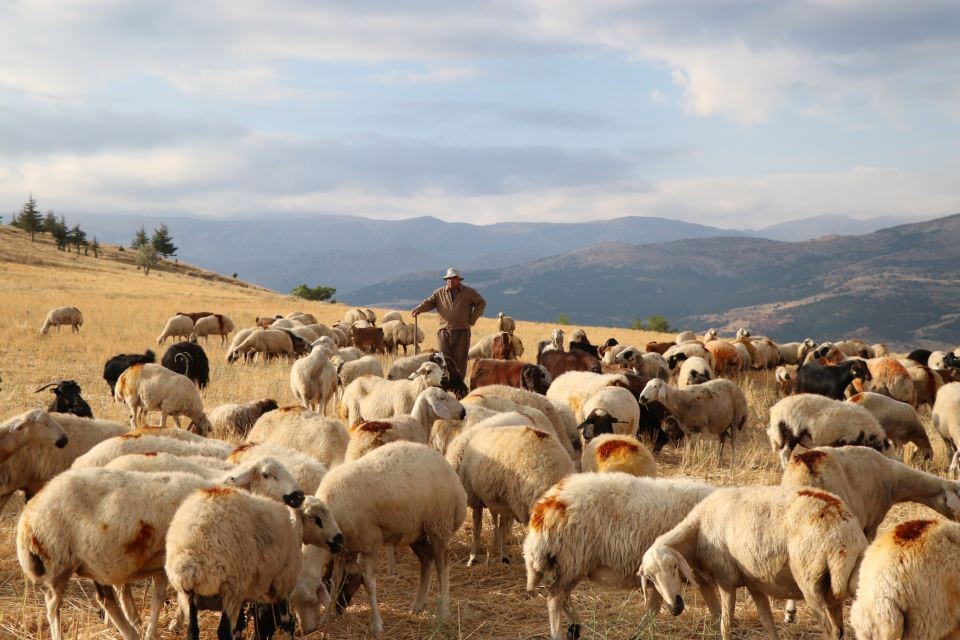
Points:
[(67, 399), (830, 380)]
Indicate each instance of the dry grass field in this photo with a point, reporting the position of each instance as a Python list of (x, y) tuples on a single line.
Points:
[(124, 311)]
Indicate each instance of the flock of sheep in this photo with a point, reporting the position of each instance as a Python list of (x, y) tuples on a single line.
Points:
[(292, 521)]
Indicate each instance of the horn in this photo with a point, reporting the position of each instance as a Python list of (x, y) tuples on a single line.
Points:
[(46, 386)]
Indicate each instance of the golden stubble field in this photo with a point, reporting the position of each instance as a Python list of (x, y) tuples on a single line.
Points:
[(124, 311)]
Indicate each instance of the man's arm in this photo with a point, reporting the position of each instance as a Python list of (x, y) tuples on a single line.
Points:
[(427, 305), (479, 304)]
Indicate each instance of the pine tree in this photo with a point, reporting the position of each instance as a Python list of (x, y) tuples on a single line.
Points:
[(49, 223), (96, 247), (140, 239), (146, 257), (29, 219), (77, 237), (60, 233), (163, 241)]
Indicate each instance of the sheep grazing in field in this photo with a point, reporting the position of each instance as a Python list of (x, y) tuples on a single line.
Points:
[(658, 347), (142, 441), (579, 341), (513, 373), (213, 325), (67, 398), (370, 398), (62, 315), (946, 420), (506, 323), (119, 363), (404, 493), (830, 380), (348, 371), (574, 388), (305, 469), (693, 371), (391, 315), (272, 343), (779, 542), (650, 365), (397, 333), (190, 360), (195, 315), (367, 339), (28, 429), (685, 336), (179, 326), (483, 348), (239, 418), (786, 377), (615, 402), (152, 387), (612, 452), (558, 363), (726, 357), (899, 420), (314, 380), (907, 584), (297, 428), (926, 382), (597, 526)]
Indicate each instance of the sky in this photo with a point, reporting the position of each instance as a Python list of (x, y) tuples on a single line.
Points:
[(723, 112)]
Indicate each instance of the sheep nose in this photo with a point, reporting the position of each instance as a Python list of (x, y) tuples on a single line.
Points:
[(463, 413), (677, 608), (61, 442), (294, 499), (336, 545)]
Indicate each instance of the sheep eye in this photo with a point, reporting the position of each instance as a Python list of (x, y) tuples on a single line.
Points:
[(265, 474), (319, 522)]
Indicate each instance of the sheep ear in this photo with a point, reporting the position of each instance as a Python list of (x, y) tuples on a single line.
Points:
[(644, 585), (685, 569), (242, 477), (413, 376)]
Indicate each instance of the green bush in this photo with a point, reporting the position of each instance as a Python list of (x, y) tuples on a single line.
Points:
[(317, 293), (563, 319)]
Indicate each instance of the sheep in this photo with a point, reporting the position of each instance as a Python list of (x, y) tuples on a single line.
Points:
[(597, 526), (658, 347), (60, 531), (725, 356), (744, 356), (194, 315), (296, 428), (369, 398), (453, 377), (62, 315), (282, 323), (879, 350), (67, 398), (117, 364), (926, 382), (347, 372), (854, 348), (613, 452), (786, 377), (941, 360), (805, 348), (215, 559), (742, 333), (404, 493), (301, 345), (506, 323), (574, 388), (685, 336), (483, 348), (265, 321), (717, 407), (213, 325), (112, 447), (354, 315), (812, 420), (531, 415), (505, 470), (694, 371), (946, 420), (768, 355), (305, 469), (239, 418), (189, 359), (367, 338), (776, 541), (559, 362), (907, 584), (152, 387), (28, 464), (788, 352), (514, 373), (650, 365), (305, 333), (270, 342), (390, 315), (178, 326), (899, 420), (578, 340), (432, 404), (830, 380), (891, 378), (616, 402), (306, 318), (314, 380), (501, 349), (397, 333), (238, 338), (161, 462), (688, 350)]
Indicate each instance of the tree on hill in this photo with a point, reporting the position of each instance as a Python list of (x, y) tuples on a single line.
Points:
[(29, 219), (163, 242), (60, 233), (77, 237), (146, 257), (318, 292), (95, 247), (653, 323), (139, 239)]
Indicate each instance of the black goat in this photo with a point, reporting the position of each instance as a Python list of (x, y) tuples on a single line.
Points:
[(921, 356), (189, 359), (830, 380), (67, 399), (453, 380), (119, 363)]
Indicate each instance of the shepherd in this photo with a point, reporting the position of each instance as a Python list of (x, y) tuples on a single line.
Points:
[(459, 308)]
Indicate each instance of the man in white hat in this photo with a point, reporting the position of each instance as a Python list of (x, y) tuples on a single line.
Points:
[(459, 308)]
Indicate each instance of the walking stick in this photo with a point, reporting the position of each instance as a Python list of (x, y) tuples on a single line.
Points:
[(416, 334)]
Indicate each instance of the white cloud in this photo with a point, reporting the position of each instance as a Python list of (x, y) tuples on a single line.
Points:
[(658, 97), (432, 76)]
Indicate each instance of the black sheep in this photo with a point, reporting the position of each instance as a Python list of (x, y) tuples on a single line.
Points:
[(830, 380), (921, 356), (67, 399), (119, 363), (189, 359)]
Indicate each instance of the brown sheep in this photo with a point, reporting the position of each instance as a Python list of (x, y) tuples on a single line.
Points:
[(367, 338), (659, 347), (502, 348), (523, 375), (558, 363)]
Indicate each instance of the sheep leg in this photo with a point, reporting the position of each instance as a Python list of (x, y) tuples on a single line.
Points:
[(443, 577), (156, 603), (954, 463), (504, 523), (370, 584), (790, 611), (763, 610), (107, 598), (710, 597), (424, 552), (176, 421), (558, 596), (477, 526), (728, 597), (391, 552), (54, 596), (129, 605)]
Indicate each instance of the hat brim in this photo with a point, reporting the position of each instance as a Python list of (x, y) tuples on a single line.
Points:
[(452, 277)]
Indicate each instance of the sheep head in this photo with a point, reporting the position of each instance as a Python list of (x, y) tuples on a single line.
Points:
[(664, 569)]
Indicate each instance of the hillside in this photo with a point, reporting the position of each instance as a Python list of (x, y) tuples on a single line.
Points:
[(897, 285)]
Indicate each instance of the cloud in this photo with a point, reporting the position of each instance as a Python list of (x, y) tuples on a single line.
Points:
[(433, 76), (567, 119)]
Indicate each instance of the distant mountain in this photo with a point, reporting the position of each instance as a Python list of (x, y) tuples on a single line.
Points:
[(826, 225), (900, 285)]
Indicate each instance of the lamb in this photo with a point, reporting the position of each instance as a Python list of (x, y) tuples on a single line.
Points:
[(776, 541), (347, 372), (574, 388), (899, 420), (305, 469), (154, 462), (178, 326), (215, 559), (946, 420), (694, 371), (369, 398), (28, 465), (716, 407), (597, 526), (403, 493), (67, 398), (213, 325), (514, 373), (505, 470), (296, 428), (238, 419), (506, 323), (119, 363), (618, 403), (53, 541), (907, 584), (62, 315), (612, 452), (152, 387), (271, 343), (189, 359), (390, 315), (113, 447), (650, 365), (314, 380), (483, 348), (812, 421)]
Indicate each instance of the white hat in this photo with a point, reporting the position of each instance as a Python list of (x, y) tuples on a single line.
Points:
[(452, 273)]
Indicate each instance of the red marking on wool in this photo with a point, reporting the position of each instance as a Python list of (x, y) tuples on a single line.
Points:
[(544, 508), (911, 532), (620, 448), (810, 459)]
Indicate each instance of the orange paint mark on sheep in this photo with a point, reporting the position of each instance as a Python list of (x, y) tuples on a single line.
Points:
[(857, 398), (130, 436), (619, 448), (238, 452), (291, 409), (810, 459), (140, 543), (373, 426), (549, 508), (832, 502), (540, 434), (218, 491), (149, 453), (907, 533), (38, 547)]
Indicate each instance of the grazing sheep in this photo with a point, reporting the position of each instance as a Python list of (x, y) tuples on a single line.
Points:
[(397, 333), (453, 377), (946, 420), (369, 398), (742, 332), (597, 526), (677, 354), (531, 415), (685, 336), (558, 363), (776, 541), (119, 363), (62, 315), (926, 382), (213, 325), (613, 452), (813, 420), (574, 388), (271, 343), (67, 398), (578, 340), (401, 493), (501, 349), (238, 419), (716, 407), (301, 345), (768, 354), (238, 338), (505, 470), (152, 387), (367, 339), (907, 584), (506, 323), (306, 318), (483, 348), (29, 429), (658, 347), (694, 371), (891, 378), (786, 377), (347, 372), (649, 365), (188, 359), (195, 315), (391, 315), (162, 462), (899, 420), (725, 356), (305, 469), (297, 428), (514, 373), (314, 380), (178, 326), (744, 356), (618, 403), (115, 446)]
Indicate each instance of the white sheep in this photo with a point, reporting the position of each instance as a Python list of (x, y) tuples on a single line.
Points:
[(768, 354), (744, 356), (350, 354), (946, 420), (30, 428), (313, 380), (215, 325), (483, 348), (178, 326), (779, 542), (559, 420), (404, 493), (355, 315), (238, 338), (311, 433), (397, 333), (391, 315), (154, 462), (110, 526), (306, 318), (505, 323), (899, 420), (685, 336), (403, 367), (686, 350), (347, 372), (114, 447), (786, 377), (153, 387), (619, 403), (270, 342), (505, 470), (649, 365), (239, 418), (813, 420), (574, 388), (693, 371), (305, 469), (597, 526), (716, 407), (215, 555), (306, 333), (369, 398), (907, 584), (614, 452), (62, 315)]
